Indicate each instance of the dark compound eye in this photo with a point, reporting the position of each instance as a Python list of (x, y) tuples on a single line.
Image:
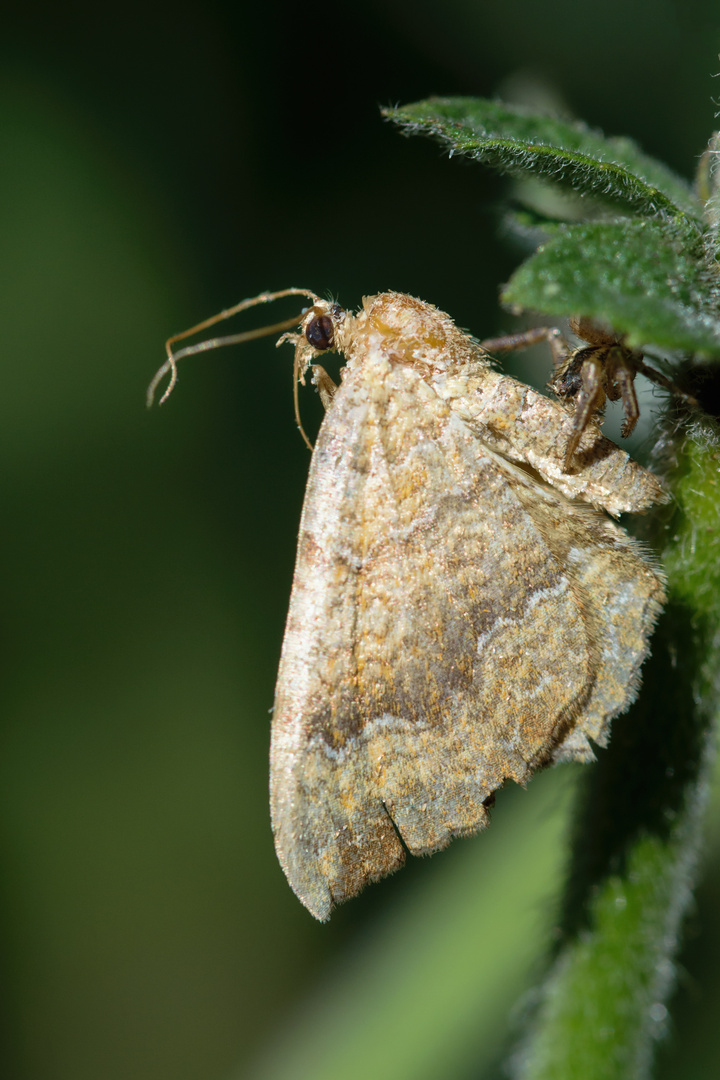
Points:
[(320, 332)]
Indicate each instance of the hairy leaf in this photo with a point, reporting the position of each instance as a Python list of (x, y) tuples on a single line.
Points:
[(645, 278), (515, 141)]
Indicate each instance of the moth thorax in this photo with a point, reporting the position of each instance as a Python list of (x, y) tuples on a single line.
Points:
[(414, 332)]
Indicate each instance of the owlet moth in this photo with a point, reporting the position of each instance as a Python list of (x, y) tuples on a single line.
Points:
[(463, 610)]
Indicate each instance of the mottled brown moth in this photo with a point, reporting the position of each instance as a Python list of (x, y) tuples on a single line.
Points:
[(463, 610)]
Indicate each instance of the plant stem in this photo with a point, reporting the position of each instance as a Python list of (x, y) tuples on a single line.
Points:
[(639, 819)]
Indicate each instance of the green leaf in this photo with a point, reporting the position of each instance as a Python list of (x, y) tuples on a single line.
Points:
[(647, 279), (515, 141)]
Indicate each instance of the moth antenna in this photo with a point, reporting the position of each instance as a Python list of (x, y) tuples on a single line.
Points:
[(170, 365)]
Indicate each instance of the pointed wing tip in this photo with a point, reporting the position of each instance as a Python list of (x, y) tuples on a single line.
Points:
[(320, 907), (322, 890), (321, 896)]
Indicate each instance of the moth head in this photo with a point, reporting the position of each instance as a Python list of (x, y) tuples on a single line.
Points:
[(321, 325), (320, 332)]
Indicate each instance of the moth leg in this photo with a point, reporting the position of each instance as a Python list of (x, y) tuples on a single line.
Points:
[(324, 384), (589, 401)]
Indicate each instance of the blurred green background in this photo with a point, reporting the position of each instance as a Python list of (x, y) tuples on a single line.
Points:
[(156, 166)]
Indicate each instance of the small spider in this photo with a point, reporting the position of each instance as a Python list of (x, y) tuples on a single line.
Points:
[(604, 368)]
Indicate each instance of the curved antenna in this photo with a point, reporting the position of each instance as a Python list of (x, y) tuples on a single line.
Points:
[(170, 364)]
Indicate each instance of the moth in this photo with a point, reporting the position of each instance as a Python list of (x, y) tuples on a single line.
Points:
[(463, 612)]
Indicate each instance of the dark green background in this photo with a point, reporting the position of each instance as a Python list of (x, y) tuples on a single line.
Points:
[(155, 166)]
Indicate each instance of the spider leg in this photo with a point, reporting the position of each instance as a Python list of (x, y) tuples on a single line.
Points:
[(624, 379), (589, 401), (662, 380), (525, 338)]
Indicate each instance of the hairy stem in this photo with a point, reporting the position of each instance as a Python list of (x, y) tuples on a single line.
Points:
[(639, 820)]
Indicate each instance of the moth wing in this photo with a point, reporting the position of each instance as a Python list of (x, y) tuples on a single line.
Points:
[(529, 428), (435, 645), (622, 593)]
